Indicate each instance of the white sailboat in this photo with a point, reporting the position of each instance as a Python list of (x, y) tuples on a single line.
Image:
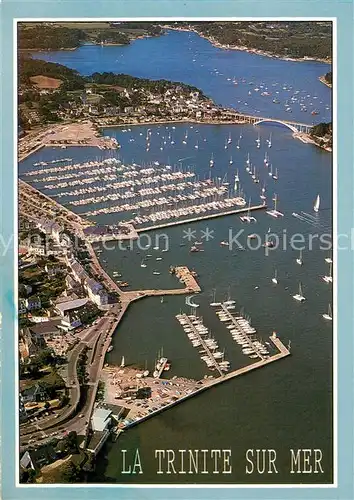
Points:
[(142, 263), (328, 315), (231, 161), (211, 162), (248, 159), (275, 176), (275, 277), (317, 204), (270, 173), (229, 140), (263, 196), (197, 145), (238, 144), (275, 213), (122, 364), (237, 179), (254, 173), (214, 303), (185, 138), (298, 296), (270, 141), (328, 278), (299, 259), (248, 217), (258, 141)]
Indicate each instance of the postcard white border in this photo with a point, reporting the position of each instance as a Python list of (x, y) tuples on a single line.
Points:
[(334, 234)]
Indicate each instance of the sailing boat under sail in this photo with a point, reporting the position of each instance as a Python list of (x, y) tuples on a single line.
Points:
[(328, 315), (299, 259), (317, 204), (275, 277)]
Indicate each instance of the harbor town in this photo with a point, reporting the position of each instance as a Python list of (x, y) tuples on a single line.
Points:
[(115, 334)]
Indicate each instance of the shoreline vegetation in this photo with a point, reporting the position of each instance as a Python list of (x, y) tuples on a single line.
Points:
[(33, 36), (250, 50)]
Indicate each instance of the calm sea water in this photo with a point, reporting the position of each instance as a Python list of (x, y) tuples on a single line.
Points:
[(289, 403)]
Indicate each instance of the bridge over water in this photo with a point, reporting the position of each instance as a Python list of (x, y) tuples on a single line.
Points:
[(257, 120)]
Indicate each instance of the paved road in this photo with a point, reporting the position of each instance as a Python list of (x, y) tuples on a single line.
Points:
[(96, 334)]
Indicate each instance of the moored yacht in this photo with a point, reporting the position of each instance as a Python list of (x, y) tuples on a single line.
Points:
[(299, 296)]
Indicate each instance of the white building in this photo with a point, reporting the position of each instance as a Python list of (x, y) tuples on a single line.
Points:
[(96, 292), (101, 419), (64, 307), (33, 302)]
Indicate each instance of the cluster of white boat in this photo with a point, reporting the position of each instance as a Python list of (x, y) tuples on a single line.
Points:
[(82, 182), (74, 166), (201, 338), (241, 330), (197, 191), (44, 163), (298, 97), (174, 213), (95, 171)]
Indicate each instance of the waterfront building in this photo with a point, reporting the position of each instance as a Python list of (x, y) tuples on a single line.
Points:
[(101, 419), (96, 292)]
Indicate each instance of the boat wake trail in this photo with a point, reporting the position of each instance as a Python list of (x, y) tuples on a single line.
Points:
[(311, 220)]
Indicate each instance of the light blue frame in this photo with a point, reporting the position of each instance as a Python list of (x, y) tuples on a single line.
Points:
[(343, 11)]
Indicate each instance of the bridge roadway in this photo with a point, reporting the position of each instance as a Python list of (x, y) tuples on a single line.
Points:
[(256, 120)]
